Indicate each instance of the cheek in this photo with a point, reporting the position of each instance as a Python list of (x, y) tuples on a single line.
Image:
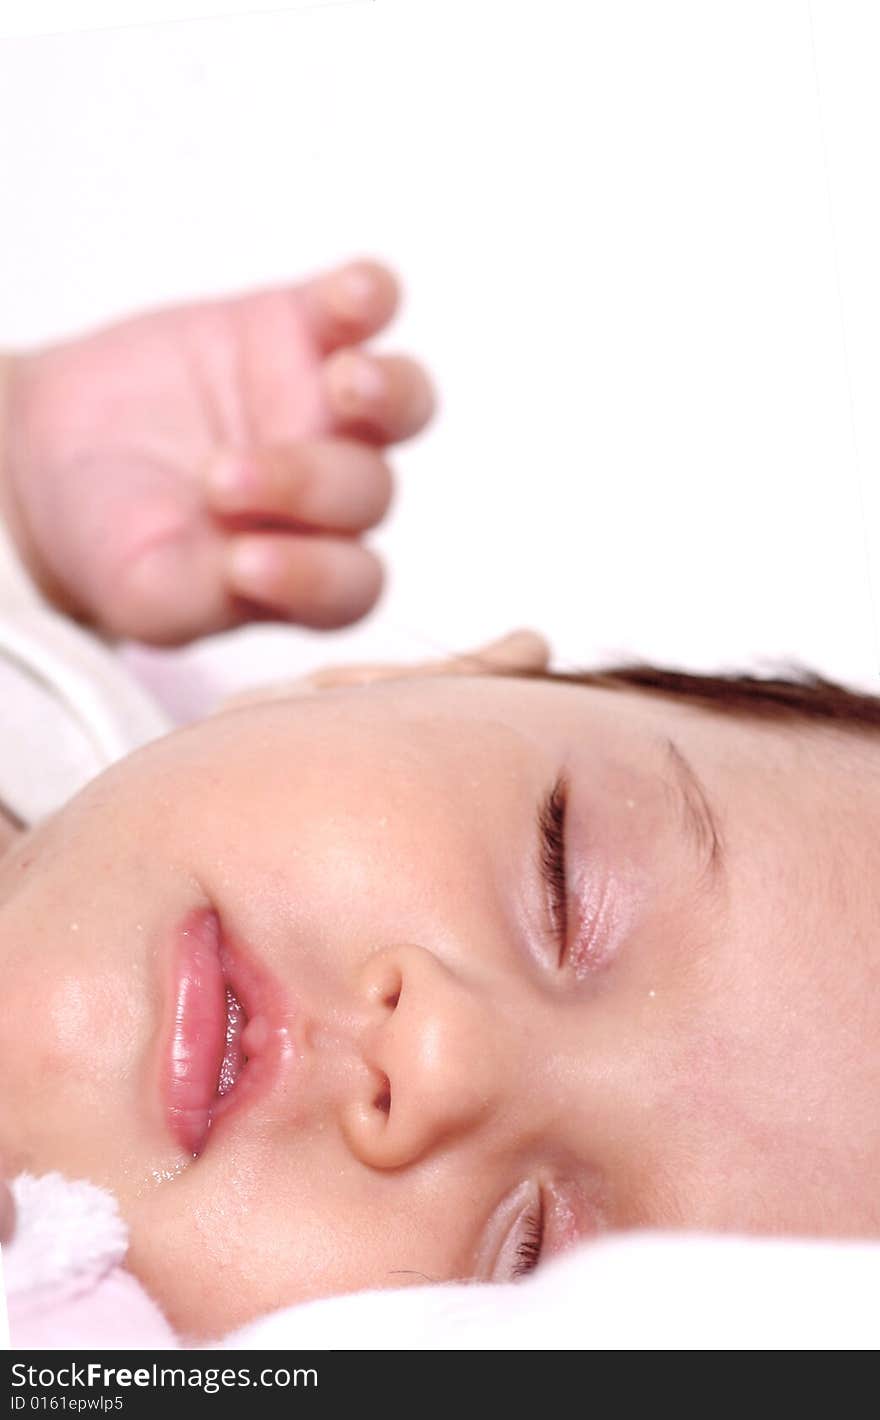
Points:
[(49, 1015), (70, 1030), (86, 1023), (218, 1248), (272, 1223), (745, 1107)]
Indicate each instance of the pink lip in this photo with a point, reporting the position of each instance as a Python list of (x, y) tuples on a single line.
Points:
[(228, 1033)]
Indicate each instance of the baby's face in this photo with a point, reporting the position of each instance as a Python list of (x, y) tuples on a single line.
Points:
[(446, 1071)]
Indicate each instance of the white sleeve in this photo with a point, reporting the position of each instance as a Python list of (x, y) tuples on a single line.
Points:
[(69, 707)]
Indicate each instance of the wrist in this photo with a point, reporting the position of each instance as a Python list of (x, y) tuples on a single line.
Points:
[(12, 514)]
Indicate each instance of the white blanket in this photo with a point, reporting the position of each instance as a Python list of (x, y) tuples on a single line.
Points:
[(641, 1291)]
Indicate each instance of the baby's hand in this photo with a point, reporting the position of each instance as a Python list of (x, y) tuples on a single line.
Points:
[(189, 470)]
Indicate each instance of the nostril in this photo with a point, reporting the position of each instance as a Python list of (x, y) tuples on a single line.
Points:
[(382, 1100), (384, 981)]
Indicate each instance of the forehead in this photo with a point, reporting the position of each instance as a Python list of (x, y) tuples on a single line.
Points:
[(446, 733)]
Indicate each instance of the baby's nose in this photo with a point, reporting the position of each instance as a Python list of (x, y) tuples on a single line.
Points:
[(437, 1060)]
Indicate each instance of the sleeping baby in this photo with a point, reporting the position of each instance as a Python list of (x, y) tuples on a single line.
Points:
[(400, 975)]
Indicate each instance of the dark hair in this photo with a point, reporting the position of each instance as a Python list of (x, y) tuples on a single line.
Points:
[(798, 695)]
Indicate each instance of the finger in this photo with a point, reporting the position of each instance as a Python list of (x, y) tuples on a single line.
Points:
[(384, 398), (190, 586), (521, 650), (335, 484), (7, 1213), (321, 582), (345, 306)]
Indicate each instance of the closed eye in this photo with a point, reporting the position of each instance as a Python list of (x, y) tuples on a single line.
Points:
[(551, 834)]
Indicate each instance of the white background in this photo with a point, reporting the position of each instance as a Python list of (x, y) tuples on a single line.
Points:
[(640, 243)]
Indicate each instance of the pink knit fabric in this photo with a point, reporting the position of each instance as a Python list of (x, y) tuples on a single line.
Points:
[(66, 1285), (113, 1313)]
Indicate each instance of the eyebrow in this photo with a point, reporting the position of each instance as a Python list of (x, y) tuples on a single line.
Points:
[(699, 815)]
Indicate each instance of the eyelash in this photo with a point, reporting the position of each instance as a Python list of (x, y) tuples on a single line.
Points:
[(528, 1251), (553, 861), (552, 827)]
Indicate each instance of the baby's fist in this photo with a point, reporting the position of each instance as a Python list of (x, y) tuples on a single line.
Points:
[(191, 469)]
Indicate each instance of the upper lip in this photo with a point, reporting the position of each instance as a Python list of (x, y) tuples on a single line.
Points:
[(228, 1029)]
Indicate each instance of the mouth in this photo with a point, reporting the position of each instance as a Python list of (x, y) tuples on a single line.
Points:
[(226, 1037)]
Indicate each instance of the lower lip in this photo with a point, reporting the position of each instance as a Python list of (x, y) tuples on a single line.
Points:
[(228, 1033)]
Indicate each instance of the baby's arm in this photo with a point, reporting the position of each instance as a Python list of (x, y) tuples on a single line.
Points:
[(9, 515)]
